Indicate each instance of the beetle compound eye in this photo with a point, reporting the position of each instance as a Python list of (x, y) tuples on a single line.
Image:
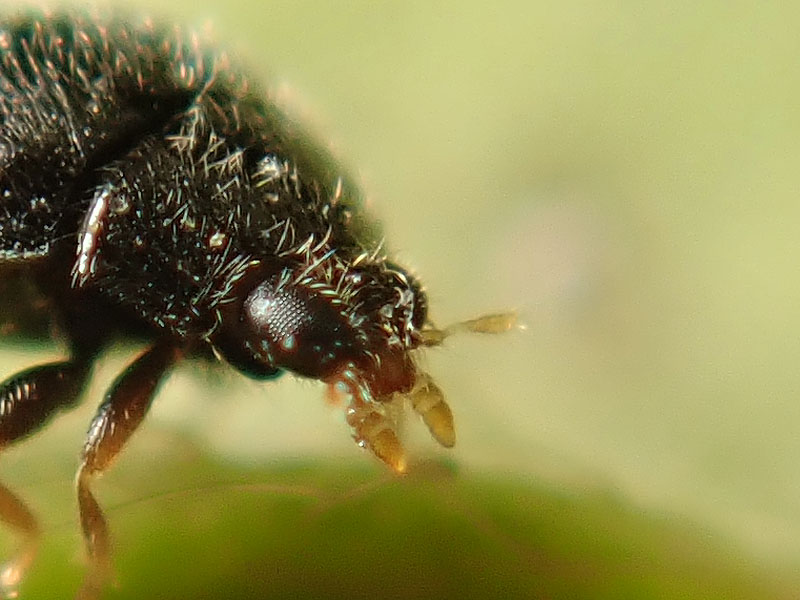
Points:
[(298, 328), (279, 314)]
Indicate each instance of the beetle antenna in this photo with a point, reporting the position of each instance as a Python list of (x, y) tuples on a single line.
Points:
[(492, 323)]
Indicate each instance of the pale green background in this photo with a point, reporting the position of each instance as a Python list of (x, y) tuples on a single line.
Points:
[(625, 174)]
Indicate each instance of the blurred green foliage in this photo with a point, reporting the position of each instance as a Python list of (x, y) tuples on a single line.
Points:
[(321, 530)]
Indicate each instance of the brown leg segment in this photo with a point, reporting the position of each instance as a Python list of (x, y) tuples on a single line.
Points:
[(15, 513), (123, 409), (28, 400), (31, 398)]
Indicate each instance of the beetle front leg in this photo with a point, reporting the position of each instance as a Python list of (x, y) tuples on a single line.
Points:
[(123, 409)]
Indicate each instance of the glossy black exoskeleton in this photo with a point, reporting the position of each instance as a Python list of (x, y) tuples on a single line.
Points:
[(148, 187)]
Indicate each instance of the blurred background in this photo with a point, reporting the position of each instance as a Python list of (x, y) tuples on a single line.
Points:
[(624, 176)]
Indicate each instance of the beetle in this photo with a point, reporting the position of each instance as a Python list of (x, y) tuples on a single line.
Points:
[(149, 188)]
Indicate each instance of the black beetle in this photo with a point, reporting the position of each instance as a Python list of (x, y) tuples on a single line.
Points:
[(148, 188)]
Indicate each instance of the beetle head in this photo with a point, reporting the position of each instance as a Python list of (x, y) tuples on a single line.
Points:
[(352, 326), (333, 322)]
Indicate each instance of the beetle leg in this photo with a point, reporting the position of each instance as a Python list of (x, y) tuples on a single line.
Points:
[(27, 401), (16, 514), (123, 409), (32, 397)]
